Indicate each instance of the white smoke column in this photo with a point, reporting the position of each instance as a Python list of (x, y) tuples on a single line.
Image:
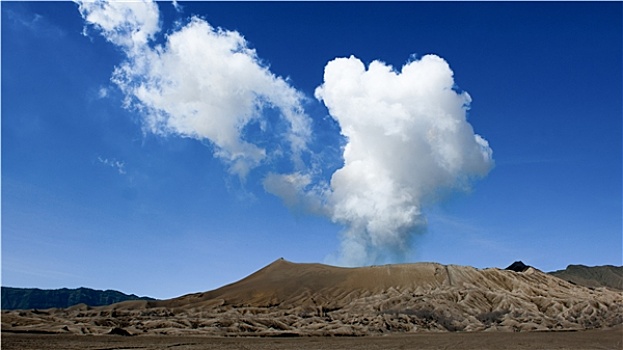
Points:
[(408, 140), (203, 83)]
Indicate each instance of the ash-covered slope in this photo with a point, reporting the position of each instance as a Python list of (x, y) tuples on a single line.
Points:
[(290, 285), (285, 298)]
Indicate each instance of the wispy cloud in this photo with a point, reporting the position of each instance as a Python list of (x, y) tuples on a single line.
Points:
[(129, 25), (177, 6), (203, 82), (34, 23), (102, 92), (113, 163)]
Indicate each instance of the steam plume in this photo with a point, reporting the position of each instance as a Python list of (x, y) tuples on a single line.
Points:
[(408, 141)]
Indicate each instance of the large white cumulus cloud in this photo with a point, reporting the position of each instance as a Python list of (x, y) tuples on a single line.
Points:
[(203, 82), (408, 140)]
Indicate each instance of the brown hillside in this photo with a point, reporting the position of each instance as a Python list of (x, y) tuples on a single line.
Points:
[(286, 298), (286, 284)]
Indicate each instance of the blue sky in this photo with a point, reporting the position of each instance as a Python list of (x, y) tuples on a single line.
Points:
[(94, 195)]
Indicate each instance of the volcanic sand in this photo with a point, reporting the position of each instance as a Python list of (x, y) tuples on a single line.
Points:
[(584, 340)]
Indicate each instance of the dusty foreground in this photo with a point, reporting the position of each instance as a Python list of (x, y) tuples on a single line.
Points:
[(593, 339)]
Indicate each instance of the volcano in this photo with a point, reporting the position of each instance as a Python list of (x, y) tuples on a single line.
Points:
[(292, 299)]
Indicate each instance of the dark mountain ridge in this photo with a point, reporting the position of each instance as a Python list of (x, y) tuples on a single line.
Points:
[(593, 276), (34, 298)]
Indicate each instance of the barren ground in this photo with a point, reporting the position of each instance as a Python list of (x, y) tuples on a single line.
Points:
[(287, 299), (584, 340)]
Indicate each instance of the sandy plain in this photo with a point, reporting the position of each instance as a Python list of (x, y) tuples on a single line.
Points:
[(581, 340)]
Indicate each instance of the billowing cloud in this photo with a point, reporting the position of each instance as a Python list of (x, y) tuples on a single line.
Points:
[(408, 143), (202, 82)]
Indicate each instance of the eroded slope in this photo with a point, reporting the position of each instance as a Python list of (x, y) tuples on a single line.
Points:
[(285, 298)]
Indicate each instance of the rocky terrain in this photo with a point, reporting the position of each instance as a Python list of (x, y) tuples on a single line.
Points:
[(289, 299)]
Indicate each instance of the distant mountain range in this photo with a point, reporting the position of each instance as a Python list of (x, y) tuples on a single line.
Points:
[(593, 277), (34, 298)]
